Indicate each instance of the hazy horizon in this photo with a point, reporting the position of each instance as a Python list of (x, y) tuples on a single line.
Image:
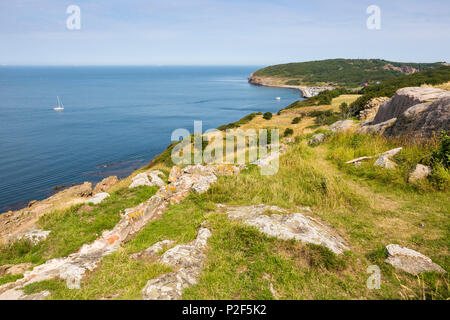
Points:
[(216, 32)]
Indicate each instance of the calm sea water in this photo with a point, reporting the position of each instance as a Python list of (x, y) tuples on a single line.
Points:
[(115, 120)]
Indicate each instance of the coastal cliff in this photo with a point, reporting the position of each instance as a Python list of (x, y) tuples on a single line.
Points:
[(307, 92)]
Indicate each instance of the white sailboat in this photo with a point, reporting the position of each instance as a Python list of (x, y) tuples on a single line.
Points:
[(60, 105)]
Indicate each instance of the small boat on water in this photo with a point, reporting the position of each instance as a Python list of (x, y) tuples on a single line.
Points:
[(60, 106), (278, 98)]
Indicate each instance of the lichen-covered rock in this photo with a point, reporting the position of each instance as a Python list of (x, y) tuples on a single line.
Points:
[(203, 184), (410, 261), (316, 139), (155, 178), (419, 173), (138, 180), (385, 162), (284, 225), (73, 267), (404, 99), (341, 125), (189, 259), (97, 198), (150, 178), (384, 159), (105, 184), (34, 235)]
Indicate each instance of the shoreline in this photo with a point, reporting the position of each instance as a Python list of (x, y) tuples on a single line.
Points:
[(307, 92), (55, 190)]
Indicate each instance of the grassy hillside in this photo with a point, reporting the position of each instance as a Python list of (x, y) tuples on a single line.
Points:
[(388, 88), (342, 72), (368, 206)]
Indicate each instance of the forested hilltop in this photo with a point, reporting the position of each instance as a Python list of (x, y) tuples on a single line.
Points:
[(341, 72)]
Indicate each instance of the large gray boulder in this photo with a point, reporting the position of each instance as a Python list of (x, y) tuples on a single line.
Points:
[(404, 99), (423, 120)]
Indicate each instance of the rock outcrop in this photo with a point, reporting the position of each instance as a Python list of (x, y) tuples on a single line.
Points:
[(14, 224), (284, 225), (413, 111), (73, 267), (188, 259), (379, 128), (423, 120), (342, 125), (150, 178), (404, 99), (105, 184), (371, 108), (410, 261)]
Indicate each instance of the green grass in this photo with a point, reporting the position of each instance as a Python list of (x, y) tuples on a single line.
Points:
[(72, 228), (346, 146), (240, 122), (367, 207), (10, 278), (121, 277)]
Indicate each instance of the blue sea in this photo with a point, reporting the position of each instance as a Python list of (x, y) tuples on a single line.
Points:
[(116, 119)]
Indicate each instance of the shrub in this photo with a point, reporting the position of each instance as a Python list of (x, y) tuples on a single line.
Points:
[(442, 154), (297, 120), (267, 115), (345, 110), (288, 132)]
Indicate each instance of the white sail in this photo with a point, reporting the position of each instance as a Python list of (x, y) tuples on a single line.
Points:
[(60, 105)]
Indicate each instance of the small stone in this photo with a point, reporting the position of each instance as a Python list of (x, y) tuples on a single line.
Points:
[(316, 139), (385, 162), (419, 173), (410, 261)]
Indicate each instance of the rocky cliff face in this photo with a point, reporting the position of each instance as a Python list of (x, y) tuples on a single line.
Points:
[(404, 99), (414, 111)]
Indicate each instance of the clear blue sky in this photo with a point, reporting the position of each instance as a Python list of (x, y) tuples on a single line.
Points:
[(197, 32)]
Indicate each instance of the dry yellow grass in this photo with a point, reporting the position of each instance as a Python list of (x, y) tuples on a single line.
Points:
[(443, 86)]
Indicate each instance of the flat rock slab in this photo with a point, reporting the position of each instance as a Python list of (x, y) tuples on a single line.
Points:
[(410, 261), (279, 223), (342, 125), (189, 259)]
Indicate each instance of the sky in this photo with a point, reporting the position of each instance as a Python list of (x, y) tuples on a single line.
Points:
[(220, 32)]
